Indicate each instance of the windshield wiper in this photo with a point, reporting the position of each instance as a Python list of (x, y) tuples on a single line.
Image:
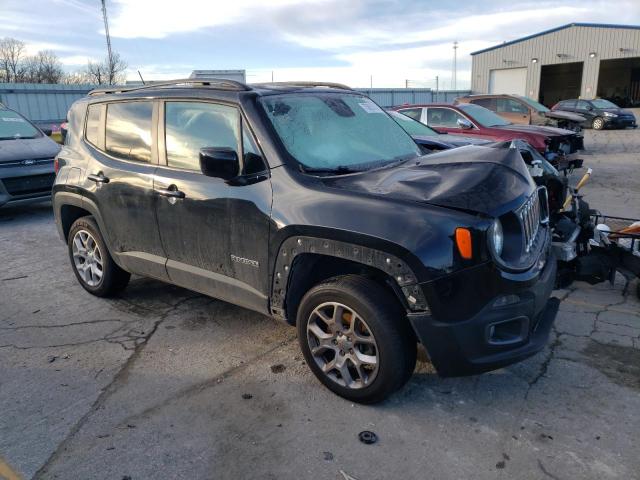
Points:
[(339, 170)]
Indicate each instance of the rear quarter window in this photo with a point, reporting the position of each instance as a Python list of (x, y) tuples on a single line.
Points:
[(92, 128)]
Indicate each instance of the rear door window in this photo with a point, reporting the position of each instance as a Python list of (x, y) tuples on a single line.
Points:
[(414, 113), (128, 130), (582, 105), (489, 103), (508, 105), (443, 117)]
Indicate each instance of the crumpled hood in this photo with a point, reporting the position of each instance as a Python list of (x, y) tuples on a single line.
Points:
[(486, 180), (561, 114), (543, 129), (28, 148)]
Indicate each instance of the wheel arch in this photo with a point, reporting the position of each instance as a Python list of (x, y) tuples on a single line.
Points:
[(304, 261)]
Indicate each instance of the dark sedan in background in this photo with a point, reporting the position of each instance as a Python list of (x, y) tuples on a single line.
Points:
[(479, 122), (599, 113), (26, 159)]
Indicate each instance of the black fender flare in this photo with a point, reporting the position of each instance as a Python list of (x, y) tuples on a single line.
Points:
[(399, 272)]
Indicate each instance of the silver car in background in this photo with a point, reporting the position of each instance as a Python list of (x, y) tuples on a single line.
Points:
[(26, 159)]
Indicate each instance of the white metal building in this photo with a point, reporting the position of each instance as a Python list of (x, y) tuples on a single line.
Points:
[(584, 60)]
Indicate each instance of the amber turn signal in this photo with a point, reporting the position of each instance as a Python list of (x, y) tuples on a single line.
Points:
[(463, 242)]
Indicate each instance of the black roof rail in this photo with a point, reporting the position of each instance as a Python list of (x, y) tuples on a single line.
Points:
[(215, 83), (302, 84)]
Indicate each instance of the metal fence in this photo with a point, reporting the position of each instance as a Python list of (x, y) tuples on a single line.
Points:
[(42, 103), (389, 97), (49, 103)]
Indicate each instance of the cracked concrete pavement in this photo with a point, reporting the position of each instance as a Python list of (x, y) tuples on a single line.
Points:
[(152, 384)]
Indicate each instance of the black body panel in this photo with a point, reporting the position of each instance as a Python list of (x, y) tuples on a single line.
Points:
[(232, 238)]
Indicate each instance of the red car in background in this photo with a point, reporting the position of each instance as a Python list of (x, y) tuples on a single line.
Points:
[(474, 120)]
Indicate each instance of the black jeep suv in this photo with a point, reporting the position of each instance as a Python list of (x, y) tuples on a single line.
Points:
[(307, 202)]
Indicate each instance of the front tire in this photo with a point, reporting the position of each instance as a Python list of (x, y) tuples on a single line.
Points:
[(597, 123), (355, 338), (91, 262)]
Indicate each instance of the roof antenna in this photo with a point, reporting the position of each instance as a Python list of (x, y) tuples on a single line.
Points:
[(143, 82)]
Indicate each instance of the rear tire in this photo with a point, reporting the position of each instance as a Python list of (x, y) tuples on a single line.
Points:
[(91, 262), (597, 123), (355, 338)]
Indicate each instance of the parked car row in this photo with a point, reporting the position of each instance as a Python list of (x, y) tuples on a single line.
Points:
[(475, 121)]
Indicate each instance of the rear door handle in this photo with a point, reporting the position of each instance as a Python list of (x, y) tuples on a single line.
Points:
[(99, 178), (171, 192)]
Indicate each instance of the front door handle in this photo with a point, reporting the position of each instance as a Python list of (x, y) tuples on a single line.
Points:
[(171, 192), (99, 178)]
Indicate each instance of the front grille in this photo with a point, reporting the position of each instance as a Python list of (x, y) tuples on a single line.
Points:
[(529, 215), (30, 184), (29, 162)]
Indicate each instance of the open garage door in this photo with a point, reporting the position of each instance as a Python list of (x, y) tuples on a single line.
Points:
[(619, 81), (508, 80), (560, 82)]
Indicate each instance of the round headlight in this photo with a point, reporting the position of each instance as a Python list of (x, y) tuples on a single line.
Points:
[(496, 237)]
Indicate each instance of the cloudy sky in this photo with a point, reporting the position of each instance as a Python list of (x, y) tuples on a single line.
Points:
[(350, 41)]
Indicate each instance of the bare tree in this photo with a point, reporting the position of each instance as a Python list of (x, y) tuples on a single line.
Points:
[(79, 77), (116, 67), (109, 72), (43, 67), (12, 52), (49, 67)]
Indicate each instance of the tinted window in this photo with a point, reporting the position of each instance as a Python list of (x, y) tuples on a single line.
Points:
[(329, 130), (483, 116), (414, 113), (13, 125), (128, 130), (411, 126), (567, 104), (442, 117), (602, 103), (93, 124), (536, 105), (582, 105), (190, 126), (489, 103), (507, 105)]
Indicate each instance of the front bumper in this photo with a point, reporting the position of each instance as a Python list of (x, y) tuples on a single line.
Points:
[(494, 336), (619, 122), (24, 183)]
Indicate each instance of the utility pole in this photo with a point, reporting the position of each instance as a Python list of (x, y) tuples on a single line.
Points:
[(106, 32), (455, 66), (437, 87), (271, 76), (371, 81)]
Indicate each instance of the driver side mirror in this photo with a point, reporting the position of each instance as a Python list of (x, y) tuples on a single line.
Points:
[(464, 124), (219, 162)]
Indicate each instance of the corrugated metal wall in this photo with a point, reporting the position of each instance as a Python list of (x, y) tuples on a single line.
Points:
[(573, 44), (42, 103), (45, 104), (389, 97)]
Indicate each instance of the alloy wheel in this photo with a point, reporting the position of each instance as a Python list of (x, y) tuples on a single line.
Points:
[(87, 258), (598, 123), (342, 345)]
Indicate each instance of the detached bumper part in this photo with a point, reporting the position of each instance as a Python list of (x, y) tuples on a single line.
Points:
[(509, 329)]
